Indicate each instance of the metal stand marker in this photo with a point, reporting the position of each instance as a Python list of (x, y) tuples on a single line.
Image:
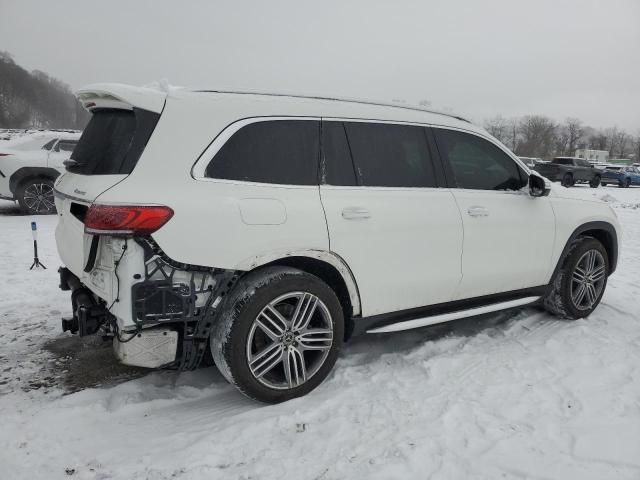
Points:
[(36, 262)]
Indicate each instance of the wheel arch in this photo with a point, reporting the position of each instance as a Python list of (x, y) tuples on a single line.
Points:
[(327, 266), (604, 232), (23, 174)]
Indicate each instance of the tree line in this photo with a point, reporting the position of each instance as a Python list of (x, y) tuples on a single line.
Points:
[(36, 100), (541, 137)]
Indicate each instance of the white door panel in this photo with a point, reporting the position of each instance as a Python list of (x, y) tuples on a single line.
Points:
[(508, 241), (402, 244)]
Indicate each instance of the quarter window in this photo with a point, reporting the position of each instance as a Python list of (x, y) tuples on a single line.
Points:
[(478, 164), (276, 151), (390, 155)]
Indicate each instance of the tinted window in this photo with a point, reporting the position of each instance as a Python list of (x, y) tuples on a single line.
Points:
[(563, 161), (66, 146), (49, 144), (478, 164), (388, 155), (277, 151), (113, 141), (338, 167)]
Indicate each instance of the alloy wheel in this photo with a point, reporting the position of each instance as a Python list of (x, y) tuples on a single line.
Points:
[(38, 197), (588, 279), (289, 340)]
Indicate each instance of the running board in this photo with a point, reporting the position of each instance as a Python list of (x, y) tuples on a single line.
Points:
[(446, 317)]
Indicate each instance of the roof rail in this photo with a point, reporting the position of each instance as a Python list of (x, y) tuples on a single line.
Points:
[(341, 99)]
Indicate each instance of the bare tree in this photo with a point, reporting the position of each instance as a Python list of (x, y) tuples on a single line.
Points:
[(575, 131), (599, 141), (498, 126), (562, 141), (538, 135), (621, 143), (612, 135), (513, 133)]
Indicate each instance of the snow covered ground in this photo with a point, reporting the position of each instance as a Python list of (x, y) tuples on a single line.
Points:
[(513, 396)]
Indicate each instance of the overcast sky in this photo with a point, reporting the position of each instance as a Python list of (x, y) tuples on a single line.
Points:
[(552, 57)]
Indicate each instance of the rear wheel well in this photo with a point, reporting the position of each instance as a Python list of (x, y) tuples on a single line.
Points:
[(329, 275), (25, 174)]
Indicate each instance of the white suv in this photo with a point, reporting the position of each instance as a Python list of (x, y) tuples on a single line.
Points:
[(273, 228), (30, 164)]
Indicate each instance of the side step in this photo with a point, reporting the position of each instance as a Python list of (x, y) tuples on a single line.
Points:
[(446, 317)]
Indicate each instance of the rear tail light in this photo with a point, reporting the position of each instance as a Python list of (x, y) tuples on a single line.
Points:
[(128, 220)]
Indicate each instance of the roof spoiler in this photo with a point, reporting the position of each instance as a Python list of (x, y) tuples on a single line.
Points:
[(116, 95)]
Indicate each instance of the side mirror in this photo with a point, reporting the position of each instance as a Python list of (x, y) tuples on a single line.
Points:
[(538, 186)]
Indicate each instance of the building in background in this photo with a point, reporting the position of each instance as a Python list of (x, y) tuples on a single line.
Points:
[(593, 156)]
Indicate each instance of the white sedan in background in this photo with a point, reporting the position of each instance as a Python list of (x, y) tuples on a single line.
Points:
[(30, 164)]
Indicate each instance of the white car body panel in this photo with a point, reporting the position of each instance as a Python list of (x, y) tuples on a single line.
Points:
[(405, 251), (508, 241), (27, 151)]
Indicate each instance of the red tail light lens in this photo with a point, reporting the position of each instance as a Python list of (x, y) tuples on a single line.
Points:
[(125, 219)]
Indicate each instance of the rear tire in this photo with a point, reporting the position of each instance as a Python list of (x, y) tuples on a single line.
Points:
[(35, 196), (567, 180), (579, 284), (278, 334), (595, 182)]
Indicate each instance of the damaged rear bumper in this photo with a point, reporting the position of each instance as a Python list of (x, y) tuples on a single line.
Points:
[(163, 312)]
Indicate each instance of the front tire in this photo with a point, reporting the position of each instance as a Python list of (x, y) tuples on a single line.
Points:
[(595, 182), (278, 334), (35, 196), (580, 282)]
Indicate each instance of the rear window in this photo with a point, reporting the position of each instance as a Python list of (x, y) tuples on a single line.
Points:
[(113, 141)]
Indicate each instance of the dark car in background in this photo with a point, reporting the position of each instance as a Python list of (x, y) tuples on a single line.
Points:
[(569, 171), (621, 175)]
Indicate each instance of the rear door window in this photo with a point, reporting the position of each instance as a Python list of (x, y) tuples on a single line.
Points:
[(113, 141), (477, 163), (390, 155), (285, 152)]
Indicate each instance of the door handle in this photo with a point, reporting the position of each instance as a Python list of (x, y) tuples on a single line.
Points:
[(477, 211), (355, 213)]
